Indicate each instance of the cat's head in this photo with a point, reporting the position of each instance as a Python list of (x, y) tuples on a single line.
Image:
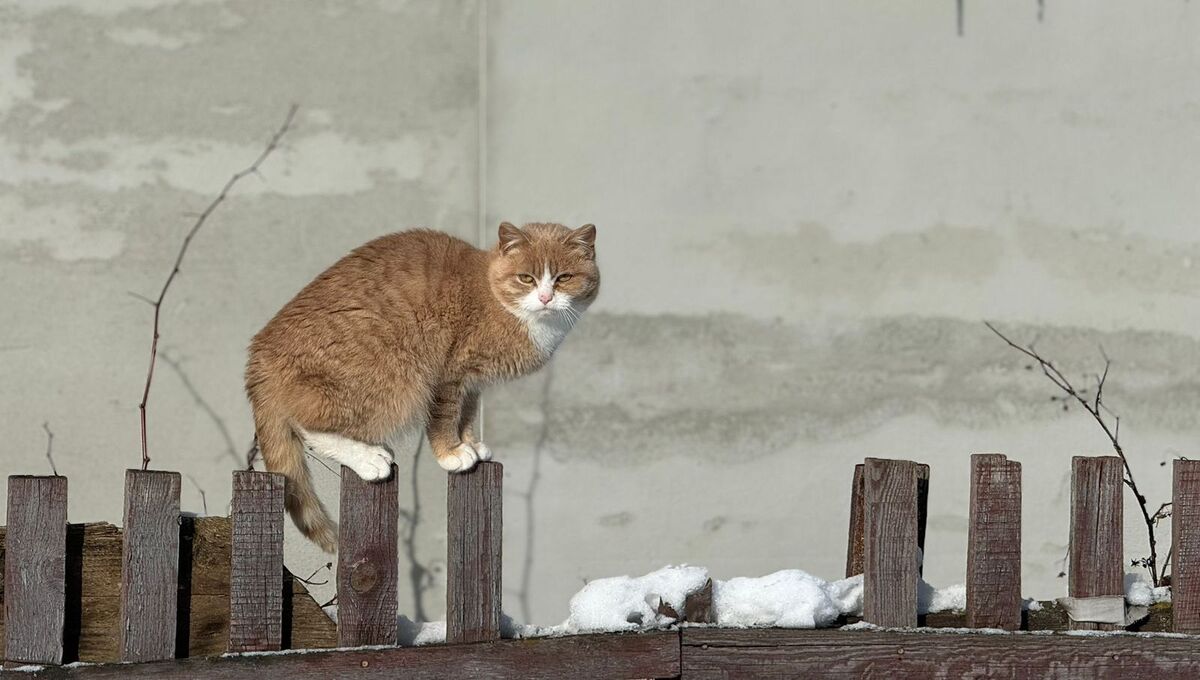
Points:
[(545, 270)]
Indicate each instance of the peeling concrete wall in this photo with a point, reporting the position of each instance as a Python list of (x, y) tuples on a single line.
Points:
[(118, 122), (805, 210)]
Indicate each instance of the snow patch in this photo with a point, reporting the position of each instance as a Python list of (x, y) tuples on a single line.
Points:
[(624, 603), (1139, 592), (785, 599), (950, 598)]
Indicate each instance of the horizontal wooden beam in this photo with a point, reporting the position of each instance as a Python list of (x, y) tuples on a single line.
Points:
[(717, 653), (646, 655)]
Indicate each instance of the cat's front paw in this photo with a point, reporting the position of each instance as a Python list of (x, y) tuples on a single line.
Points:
[(482, 450), (372, 463), (460, 459)]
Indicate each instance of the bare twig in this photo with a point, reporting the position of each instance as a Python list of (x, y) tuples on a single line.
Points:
[(252, 454), (49, 447), (187, 240), (1097, 409), (310, 581), (322, 463), (203, 496)]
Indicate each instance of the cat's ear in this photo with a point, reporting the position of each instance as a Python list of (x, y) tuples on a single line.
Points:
[(583, 237), (510, 237)]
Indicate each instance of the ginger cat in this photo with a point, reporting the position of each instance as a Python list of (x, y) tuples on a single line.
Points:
[(405, 332)]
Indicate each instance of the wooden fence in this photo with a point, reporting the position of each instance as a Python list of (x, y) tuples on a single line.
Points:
[(887, 533)]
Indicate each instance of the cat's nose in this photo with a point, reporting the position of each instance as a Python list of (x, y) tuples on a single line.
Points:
[(545, 298)]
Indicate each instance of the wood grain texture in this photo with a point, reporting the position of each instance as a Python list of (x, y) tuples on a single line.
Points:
[(994, 543), (475, 531), (890, 542), (854, 542), (150, 566), (35, 571), (698, 605), (709, 653), (256, 578), (367, 560), (1185, 544), (1097, 532), (582, 657), (94, 595)]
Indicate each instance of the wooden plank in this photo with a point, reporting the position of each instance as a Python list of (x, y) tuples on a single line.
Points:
[(698, 605), (890, 542), (94, 595), (474, 528), (150, 566), (1185, 543), (594, 657), (854, 543), (1097, 532), (711, 653), (367, 560), (256, 577), (994, 543), (35, 569)]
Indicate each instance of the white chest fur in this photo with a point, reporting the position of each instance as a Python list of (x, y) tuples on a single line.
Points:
[(547, 331)]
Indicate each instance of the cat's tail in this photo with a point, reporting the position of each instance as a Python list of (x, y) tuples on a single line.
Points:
[(283, 452)]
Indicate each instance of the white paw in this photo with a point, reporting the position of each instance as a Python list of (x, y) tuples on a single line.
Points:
[(368, 461), (462, 458), (483, 451), (372, 463)]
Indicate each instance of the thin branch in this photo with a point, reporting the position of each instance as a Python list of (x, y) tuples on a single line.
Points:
[(1097, 409), (203, 496), (310, 581), (187, 241), (322, 463), (139, 296), (49, 447), (252, 454)]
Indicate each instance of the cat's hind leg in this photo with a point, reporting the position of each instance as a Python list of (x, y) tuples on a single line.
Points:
[(369, 461)]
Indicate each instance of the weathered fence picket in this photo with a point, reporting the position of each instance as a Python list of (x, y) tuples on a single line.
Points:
[(150, 566), (475, 532), (256, 573), (1097, 564), (35, 569), (1185, 546), (994, 543), (854, 544), (890, 542), (367, 560), (889, 500)]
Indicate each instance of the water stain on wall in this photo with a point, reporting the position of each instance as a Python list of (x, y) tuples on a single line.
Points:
[(727, 388), (809, 258)]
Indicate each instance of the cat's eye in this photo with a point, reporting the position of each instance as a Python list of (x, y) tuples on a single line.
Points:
[(525, 279), (564, 277)]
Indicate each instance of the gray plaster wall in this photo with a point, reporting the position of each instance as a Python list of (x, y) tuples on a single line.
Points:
[(805, 212)]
